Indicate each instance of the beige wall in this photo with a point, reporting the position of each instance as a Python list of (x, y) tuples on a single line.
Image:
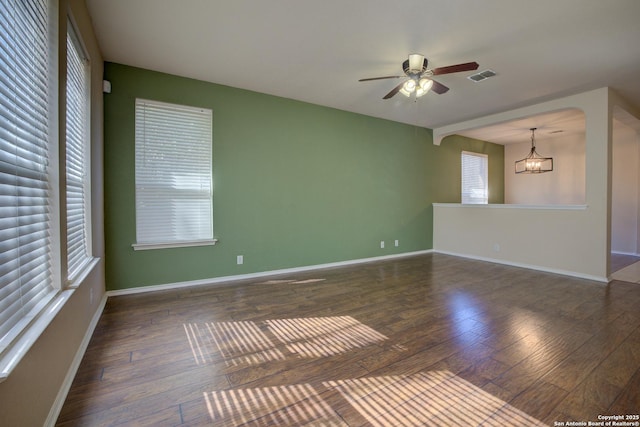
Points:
[(539, 237), (34, 387)]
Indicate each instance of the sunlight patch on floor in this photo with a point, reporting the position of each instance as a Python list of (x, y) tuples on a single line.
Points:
[(237, 343), (435, 398), (323, 336), (252, 343), (289, 405)]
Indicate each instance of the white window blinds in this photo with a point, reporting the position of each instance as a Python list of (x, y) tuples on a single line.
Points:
[(475, 187), (26, 283), (77, 158), (173, 174)]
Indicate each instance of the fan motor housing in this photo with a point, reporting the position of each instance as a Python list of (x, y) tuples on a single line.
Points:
[(409, 72)]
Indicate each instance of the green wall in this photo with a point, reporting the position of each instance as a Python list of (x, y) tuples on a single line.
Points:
[(295, 184), (448, 169)]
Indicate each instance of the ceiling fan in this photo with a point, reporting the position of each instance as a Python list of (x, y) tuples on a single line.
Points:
[(419, 82)]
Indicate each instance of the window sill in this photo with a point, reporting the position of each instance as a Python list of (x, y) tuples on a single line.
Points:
[(82, 273), (513, 206), (19, 348), (185, 244)]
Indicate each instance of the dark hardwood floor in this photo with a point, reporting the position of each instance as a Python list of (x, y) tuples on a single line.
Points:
[(430, 340)]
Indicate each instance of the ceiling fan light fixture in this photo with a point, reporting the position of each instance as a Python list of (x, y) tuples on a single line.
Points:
[(408, 87), (424, 85)]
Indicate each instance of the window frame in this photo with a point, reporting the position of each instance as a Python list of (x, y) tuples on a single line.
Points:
[(466, 190), (145, 166), (23, 333), (74, 273)]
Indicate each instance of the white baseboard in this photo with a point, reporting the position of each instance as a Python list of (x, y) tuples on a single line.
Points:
[(528, 266), (227, 279), (54, 412)]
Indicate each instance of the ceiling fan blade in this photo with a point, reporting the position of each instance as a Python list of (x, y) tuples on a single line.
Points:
[(467, 66), (393, 91), (379, 78), (438, 88)]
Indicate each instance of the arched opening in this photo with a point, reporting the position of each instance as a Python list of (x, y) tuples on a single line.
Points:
[(560, 135)]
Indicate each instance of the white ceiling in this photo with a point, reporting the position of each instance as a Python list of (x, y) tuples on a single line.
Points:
[(315, 51)]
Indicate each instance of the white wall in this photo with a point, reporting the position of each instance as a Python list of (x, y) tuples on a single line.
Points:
[(565, 185), (625, 186)]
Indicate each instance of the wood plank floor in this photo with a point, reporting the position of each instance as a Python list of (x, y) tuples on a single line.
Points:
[(430, 340)]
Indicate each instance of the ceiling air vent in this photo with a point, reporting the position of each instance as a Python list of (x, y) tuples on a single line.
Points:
[(482, 75)]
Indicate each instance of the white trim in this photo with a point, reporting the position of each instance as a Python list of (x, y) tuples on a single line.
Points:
[(226, 279), (77, 132), (185, 244), (513, 206), (54, 412), (527, 266)]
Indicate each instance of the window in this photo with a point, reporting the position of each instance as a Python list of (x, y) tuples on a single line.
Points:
[(173, 175), (77, 155), (28, 263), (475, 187)]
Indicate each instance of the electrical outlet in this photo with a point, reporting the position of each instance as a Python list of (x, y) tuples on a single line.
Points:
[(382, 244), (91, 296), (496, 247), (240, 259), (397, 243)]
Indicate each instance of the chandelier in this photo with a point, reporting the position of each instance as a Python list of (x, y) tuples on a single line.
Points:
[(534, 163)]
